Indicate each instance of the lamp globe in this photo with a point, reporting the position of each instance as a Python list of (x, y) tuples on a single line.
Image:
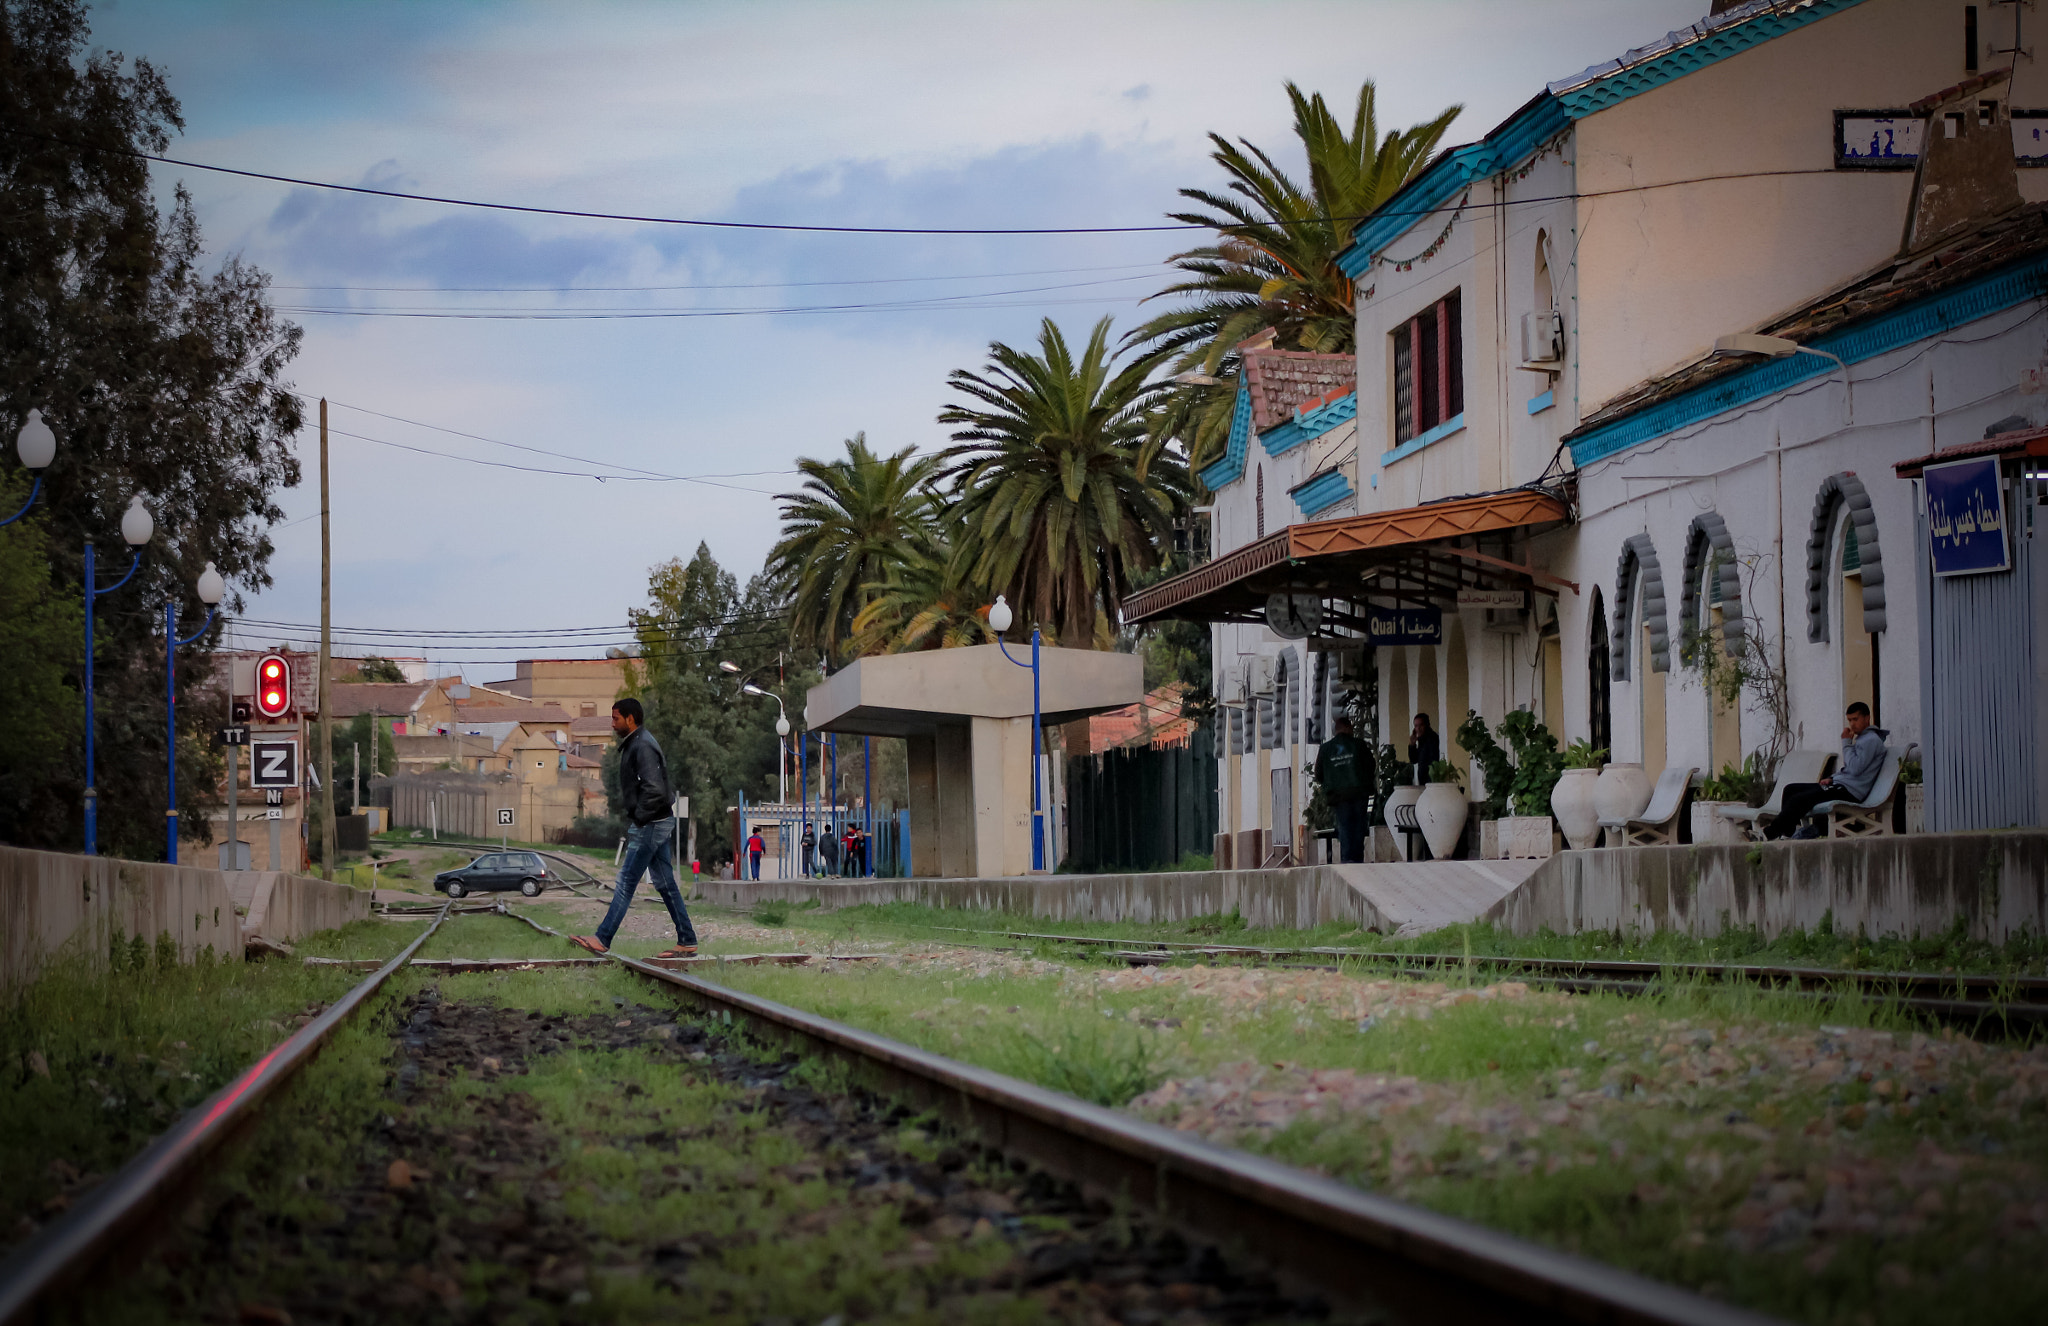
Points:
[(211, 586), (999, 615), (781, 726), (136, 523), (35, 443)]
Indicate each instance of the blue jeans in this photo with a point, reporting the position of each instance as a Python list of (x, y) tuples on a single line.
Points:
[(1352, 825), (650, 848), (755, 858)]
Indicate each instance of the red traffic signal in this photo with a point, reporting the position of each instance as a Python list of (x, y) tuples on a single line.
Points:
[(273, 686)]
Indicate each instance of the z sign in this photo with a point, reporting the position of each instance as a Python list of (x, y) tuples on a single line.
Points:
[(273, 764)]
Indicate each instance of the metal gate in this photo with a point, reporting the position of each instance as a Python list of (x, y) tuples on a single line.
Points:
[(1139, 808), (1983, 668)]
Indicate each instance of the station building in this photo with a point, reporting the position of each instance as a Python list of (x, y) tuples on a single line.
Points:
[(1653, 373)]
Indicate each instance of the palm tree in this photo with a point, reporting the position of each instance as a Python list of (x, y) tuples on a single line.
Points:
[(926, 602), (1061, 495), (852, 520), (1275, 263)]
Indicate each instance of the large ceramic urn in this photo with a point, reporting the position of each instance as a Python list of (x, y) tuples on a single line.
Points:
[(1441, 811), (1574, 802), (1621, 792)]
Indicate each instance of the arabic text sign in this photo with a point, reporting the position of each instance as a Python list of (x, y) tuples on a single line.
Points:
[(1966, 517), (1405, 626)]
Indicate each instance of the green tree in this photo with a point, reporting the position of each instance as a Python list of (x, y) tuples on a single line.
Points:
[(925, 601), (717, 742), (1060, 498), (371, 737), (159, 378), (372, 668), (40, 630), (841, 532), (1274, 264)]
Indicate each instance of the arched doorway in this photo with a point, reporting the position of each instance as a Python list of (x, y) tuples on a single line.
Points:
[(1599, 679)]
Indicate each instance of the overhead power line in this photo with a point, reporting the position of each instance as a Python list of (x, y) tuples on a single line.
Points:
[(746, 285), (802, 228)]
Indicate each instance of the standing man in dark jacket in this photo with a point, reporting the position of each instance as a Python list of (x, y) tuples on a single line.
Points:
[(649, 800), (1345, 772)]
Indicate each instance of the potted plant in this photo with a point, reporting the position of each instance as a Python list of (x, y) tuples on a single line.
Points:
[(1915, 794), (1731, 787), (1571, 801), (1441, 810), (1495, 770), (1528, 832)]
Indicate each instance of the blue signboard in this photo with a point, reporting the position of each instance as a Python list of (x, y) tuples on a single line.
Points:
[(1966, 517), (1404, 626)]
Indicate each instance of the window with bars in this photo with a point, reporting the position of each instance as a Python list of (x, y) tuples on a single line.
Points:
[(1429, 369)]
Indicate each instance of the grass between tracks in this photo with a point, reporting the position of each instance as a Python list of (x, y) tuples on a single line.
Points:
[(1830, 1162)]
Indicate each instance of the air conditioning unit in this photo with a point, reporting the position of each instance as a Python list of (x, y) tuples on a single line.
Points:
[(1543, 338), (1262, 679), (1231, 684)]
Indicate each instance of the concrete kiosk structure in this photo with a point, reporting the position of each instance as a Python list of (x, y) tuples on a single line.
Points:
[(966, 714)]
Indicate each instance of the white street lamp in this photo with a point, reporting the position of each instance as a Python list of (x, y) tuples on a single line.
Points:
[(35, 443), (136, 523), (211, 586), (999, 616), (1750, 345)]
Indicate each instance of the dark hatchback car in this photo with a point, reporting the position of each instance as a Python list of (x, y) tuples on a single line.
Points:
[(496, 872)]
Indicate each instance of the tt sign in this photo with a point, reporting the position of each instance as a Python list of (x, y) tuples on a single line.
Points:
[(1966, 517)]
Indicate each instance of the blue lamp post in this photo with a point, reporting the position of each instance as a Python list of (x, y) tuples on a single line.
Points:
[(999, 621), (37, 447), (210, 589), (136, 529)]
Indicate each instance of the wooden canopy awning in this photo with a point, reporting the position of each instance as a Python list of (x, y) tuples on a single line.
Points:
[(1414, 556)]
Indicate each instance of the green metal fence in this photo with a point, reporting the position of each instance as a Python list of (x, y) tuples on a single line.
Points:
[(1140, 808)]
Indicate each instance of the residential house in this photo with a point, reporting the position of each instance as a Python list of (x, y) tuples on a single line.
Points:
[(585, 687), (1573, 475)]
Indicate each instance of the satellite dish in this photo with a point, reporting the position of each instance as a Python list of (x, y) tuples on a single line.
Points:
[(1294, 616)]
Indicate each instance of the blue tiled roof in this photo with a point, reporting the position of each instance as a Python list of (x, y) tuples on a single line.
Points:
[(1231, 468), (1321, 492)]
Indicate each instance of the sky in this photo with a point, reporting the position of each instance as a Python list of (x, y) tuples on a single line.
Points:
[(424, 323)]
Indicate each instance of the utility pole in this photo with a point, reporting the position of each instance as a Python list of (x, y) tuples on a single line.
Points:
[(327, 835)]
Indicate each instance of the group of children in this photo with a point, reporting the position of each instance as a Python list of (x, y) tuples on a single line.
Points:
[(845, 853)]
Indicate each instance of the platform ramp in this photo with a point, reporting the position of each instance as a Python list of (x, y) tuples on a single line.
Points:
[(1416, 897)]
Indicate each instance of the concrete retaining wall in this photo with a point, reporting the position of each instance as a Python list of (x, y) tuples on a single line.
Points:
[(1912, 885), (1284, 899), (281, 907), (52, 901)]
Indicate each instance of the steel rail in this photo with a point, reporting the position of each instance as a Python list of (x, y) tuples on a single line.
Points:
[(1348, 1244), (64, 1252)]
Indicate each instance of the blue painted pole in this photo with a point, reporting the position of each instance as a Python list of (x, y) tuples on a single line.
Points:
[(803, 799), (831, 757), (1037, 804), (92, 809), (37, 487), (867, 801)]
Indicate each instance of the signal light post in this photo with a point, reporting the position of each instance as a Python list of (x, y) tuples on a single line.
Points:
[(273, 686)]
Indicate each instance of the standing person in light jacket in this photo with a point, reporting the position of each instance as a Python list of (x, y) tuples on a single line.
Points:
[(1855, 774), (649, 799)]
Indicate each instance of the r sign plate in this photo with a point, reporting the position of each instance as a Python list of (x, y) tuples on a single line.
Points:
[(1966, 517), (273, 764)]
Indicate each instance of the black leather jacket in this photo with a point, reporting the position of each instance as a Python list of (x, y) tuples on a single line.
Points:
[(644, 788)]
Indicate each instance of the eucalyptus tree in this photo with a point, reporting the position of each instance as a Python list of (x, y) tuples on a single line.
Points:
[(1273, 265), (162, 375), (1059, 493), (850, 522)]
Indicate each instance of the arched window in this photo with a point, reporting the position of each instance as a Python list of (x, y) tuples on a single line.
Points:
[(1599, 679), (1710, 550), (1842, 496), (1638, 568)]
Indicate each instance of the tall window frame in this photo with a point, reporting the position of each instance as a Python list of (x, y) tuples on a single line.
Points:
[(1429, 368)]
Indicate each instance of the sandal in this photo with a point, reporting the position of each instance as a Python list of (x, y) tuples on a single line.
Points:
[(590, 942), (679, 951)]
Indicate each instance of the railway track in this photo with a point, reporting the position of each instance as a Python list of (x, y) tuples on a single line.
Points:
[(1349, 1246), (1962, 998)]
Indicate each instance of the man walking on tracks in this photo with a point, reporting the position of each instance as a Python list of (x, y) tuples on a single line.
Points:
[(649, 799)]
